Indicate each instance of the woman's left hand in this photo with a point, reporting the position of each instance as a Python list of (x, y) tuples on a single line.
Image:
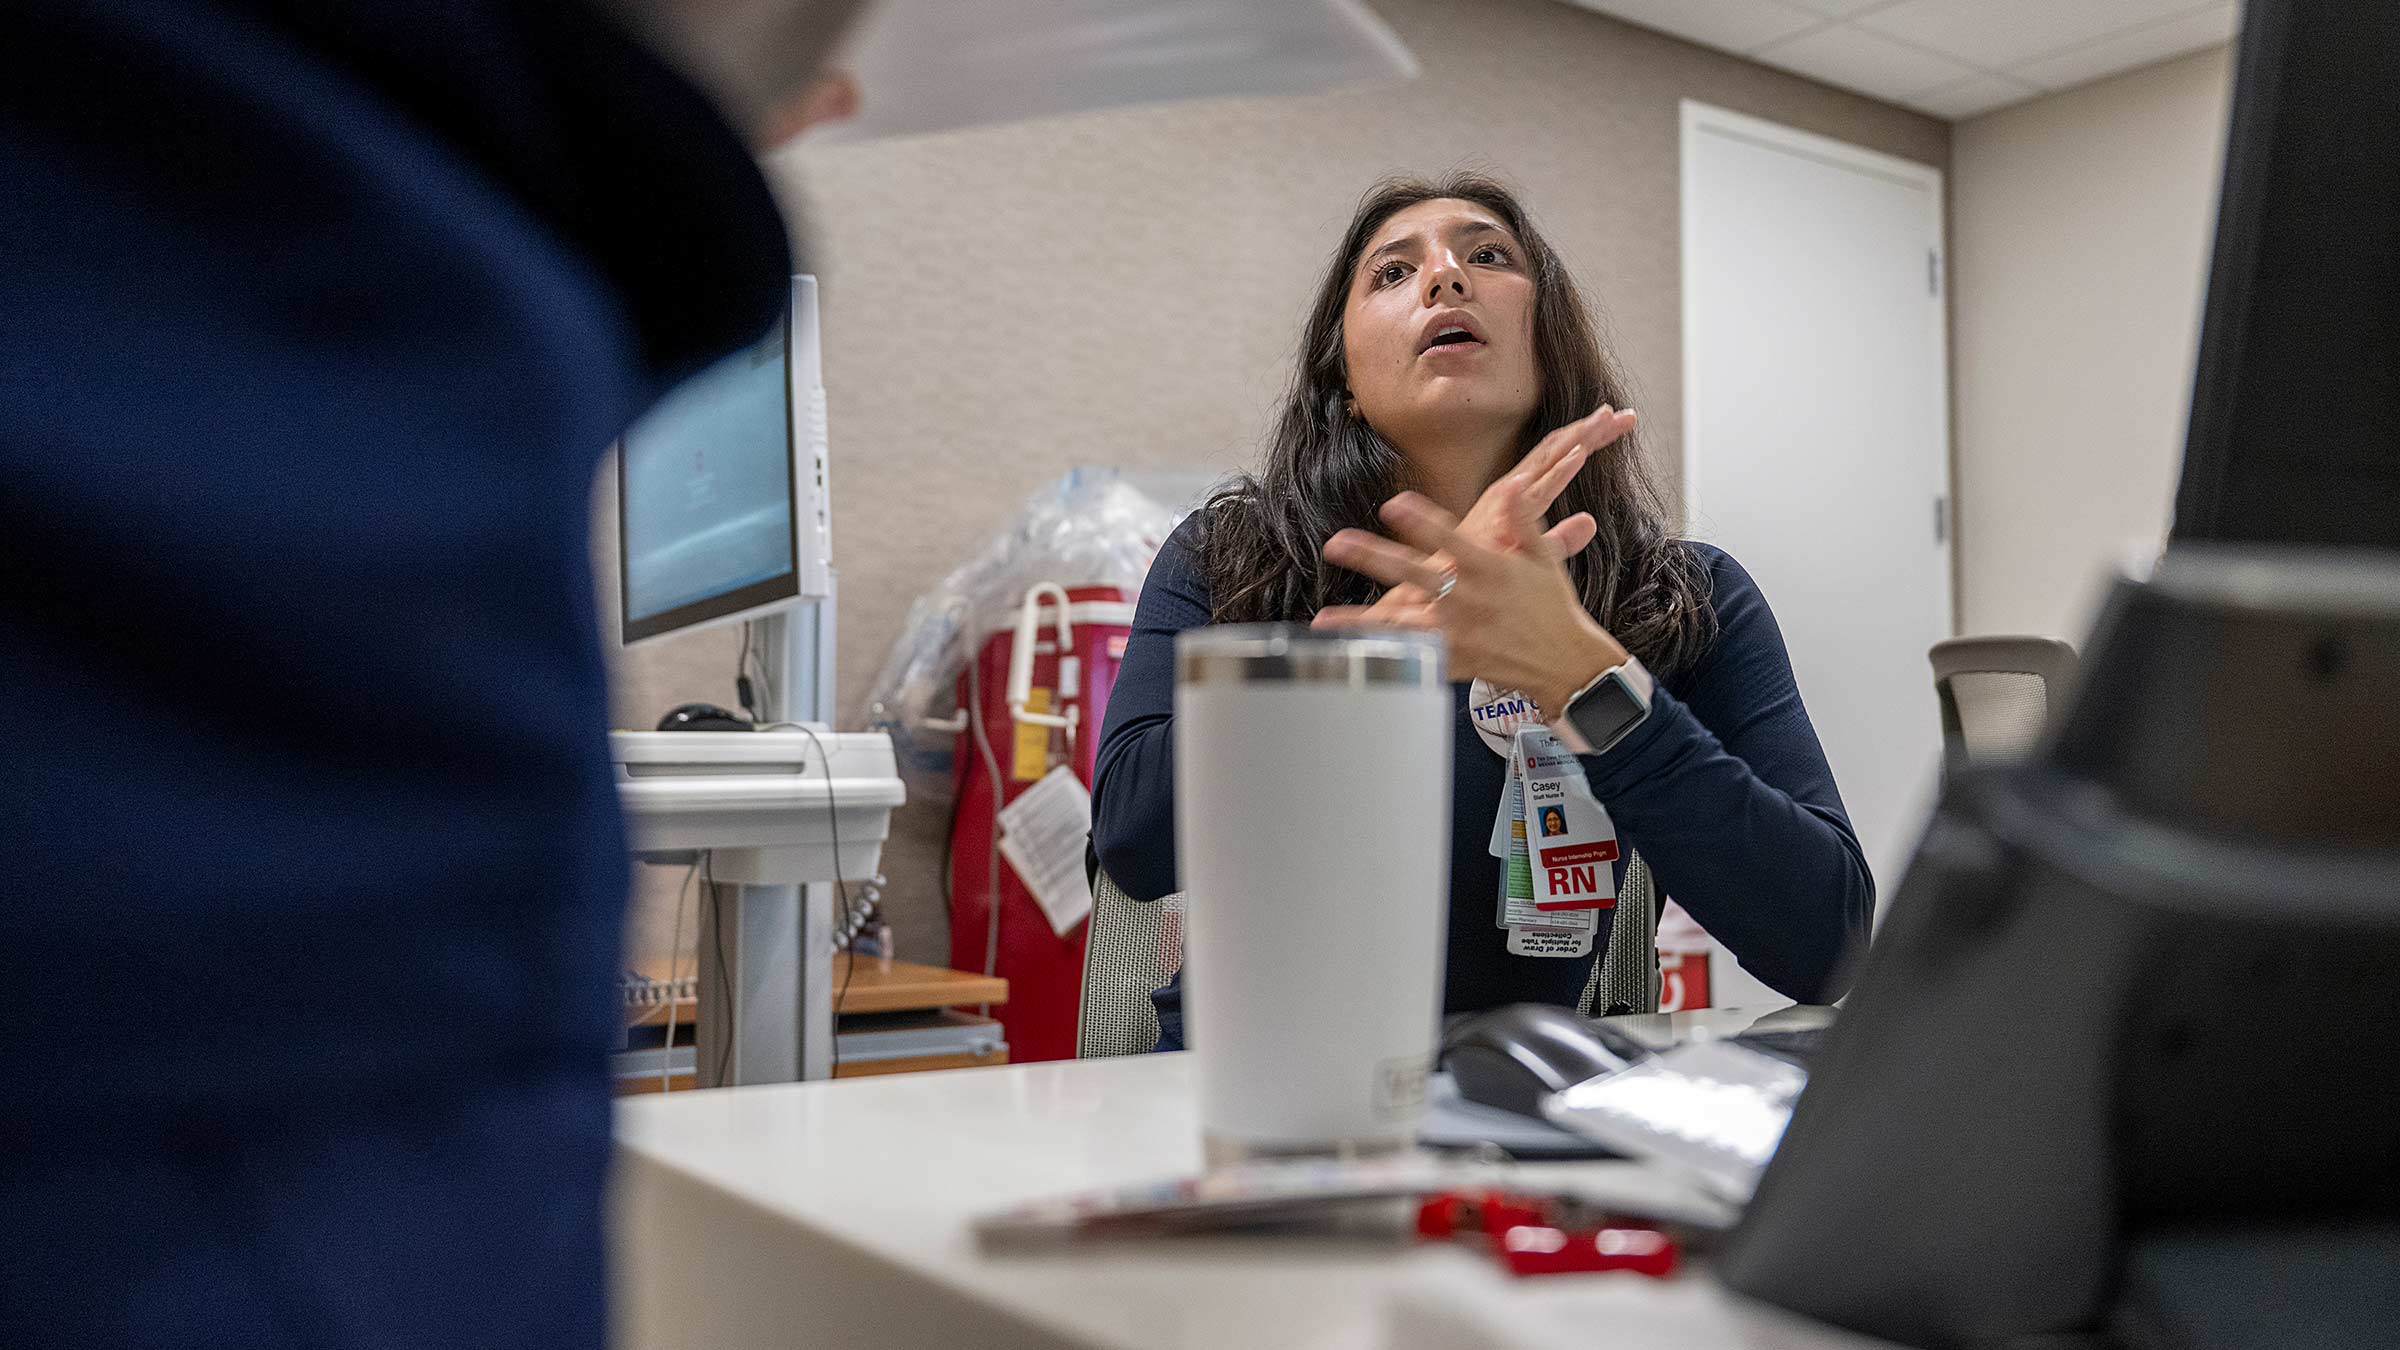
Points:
[(1507, 519), (1509, 616)]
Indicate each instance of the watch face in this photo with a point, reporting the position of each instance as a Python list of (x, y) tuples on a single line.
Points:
[(1606, 712)]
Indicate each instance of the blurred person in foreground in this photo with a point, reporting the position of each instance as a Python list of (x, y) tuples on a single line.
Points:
[(319, 314)]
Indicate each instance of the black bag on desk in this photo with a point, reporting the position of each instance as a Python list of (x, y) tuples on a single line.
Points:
[(2124, 1063)]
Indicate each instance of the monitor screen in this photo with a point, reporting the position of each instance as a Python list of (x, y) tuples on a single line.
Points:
[(704, 497)]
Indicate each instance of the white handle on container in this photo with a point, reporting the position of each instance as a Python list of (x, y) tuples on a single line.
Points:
[(1020, 655)]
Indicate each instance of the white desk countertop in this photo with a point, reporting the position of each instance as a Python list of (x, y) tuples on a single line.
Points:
[(836, 1214)]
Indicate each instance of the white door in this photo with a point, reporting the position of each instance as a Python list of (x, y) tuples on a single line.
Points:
[(1816, 437)]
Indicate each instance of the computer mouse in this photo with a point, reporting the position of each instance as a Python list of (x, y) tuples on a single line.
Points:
[(1513, 1056), (702, 717)]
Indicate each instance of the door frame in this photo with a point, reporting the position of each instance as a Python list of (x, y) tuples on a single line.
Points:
[(1707, 119)]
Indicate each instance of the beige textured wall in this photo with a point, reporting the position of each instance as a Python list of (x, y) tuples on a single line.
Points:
[(1126, 288), (2080, 227)]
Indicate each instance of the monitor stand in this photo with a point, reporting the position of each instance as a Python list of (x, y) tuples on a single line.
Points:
[(771, 992), (766, 977), (765, 946)]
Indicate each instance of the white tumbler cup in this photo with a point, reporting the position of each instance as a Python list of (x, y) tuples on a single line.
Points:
[(1312, 817)]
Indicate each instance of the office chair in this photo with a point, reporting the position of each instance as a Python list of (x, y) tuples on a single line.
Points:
[(1131, 950), (1996, 694), (1625, 979), (1134, 947)]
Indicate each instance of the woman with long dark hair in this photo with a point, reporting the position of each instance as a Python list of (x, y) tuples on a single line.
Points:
[(1453, 391)]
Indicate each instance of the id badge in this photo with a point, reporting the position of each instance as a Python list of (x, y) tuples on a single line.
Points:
[(1571, 842), (1532, 931), (1550, 942), (1497, 715)]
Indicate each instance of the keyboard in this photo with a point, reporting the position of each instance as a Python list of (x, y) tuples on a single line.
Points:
[(1794, 1046)]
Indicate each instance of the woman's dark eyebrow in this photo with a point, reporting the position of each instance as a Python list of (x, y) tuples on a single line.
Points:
[(1468, 230)]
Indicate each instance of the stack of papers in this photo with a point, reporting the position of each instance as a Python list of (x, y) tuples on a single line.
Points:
[(1042, 835)]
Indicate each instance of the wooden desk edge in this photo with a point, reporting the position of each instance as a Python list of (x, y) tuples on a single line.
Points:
[(907, 987)]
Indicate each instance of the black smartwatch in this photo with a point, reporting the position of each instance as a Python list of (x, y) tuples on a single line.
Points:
[(1607, 710)]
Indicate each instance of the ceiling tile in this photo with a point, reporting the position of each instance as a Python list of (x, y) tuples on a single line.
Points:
[(1862, 61), (1998, 36), (1975, 94), (1729, 25), (2208, 28)]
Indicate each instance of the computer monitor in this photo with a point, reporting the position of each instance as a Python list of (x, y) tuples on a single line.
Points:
[(2295, 426), (720, 488)]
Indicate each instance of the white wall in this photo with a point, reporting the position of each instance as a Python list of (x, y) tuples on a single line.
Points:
[(2080, 225)]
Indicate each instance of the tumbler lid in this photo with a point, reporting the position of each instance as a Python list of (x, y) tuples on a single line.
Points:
[(1290, 653)]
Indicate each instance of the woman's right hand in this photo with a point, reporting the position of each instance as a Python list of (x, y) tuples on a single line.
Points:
[(1541, 475)]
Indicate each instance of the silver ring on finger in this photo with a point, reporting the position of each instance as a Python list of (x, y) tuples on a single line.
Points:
[(1449, 583)]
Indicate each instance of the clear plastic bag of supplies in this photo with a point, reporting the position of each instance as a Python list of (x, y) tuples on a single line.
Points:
[(1093, 527)]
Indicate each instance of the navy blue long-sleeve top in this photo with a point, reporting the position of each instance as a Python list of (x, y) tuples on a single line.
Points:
[(318, 319), (1723, 789)]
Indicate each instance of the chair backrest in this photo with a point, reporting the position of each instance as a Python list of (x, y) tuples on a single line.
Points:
[(1131, 950), (1998, 694), (1625, 978), (1134, 947)]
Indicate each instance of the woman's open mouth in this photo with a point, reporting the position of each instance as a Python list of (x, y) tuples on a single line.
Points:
[(1451, 335)]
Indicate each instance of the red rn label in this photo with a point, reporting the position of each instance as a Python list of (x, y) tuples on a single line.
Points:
[(1574, 880)]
